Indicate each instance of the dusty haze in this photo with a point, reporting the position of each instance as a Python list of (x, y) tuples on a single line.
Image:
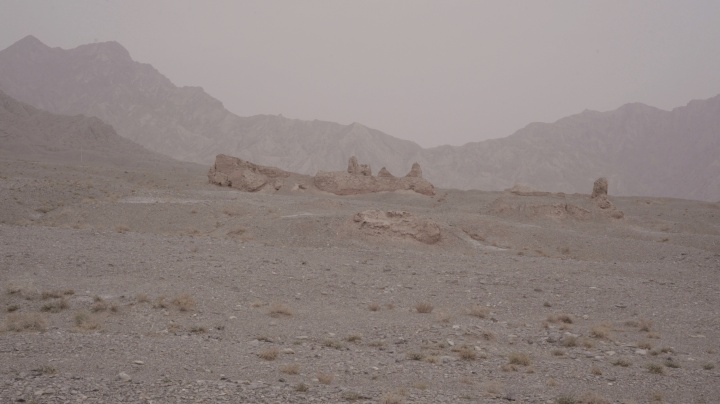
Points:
[(430, 72)]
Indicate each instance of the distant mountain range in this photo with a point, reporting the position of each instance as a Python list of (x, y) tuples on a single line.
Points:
[(642, 150)]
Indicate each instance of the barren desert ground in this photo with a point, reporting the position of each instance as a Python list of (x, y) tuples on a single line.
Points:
[(151, 285)]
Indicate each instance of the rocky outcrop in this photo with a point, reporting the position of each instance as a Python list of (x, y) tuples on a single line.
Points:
[(600, 195), (397, 224), (245, 176), (600, 188), (358, 180)]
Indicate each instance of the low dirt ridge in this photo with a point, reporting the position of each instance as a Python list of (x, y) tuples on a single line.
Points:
[(134, 284)]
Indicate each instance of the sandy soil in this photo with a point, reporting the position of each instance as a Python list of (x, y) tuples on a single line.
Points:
[(139, 285)]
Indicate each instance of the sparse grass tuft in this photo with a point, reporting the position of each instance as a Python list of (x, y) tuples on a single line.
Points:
[(479, 311), (161, 303), (373, 307), (566, 399), (269, 354), (142, 298), (332, 343), (467, 353), (51, 294), (621, 362), (561, 318), (655, 368), (569, 341), (301, 387), (644, 345), (519, 358), (558, 352), (290, 368), (415, 356), (13, 308), (30, 321), (600, 331), (596, 371), (184, 302), (709, 366), (392, 398), (56, 306), (593, 398), (421, 385), (671, 364), (645, 325), (85, 321), (325, 378), (353, 338), (424, 307), (278, 309)]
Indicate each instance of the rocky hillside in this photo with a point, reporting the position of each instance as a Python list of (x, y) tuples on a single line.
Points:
[(102, 80), (30, 133), (642, 150)]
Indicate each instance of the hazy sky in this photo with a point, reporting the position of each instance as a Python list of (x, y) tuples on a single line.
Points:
[(436, 72)]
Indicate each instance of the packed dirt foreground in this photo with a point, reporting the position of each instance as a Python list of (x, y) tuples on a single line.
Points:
[(152, 285)]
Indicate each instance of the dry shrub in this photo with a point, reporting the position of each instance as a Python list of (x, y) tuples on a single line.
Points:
[(600, 331), (558, 352), (290, 368), (332, 343), (301, 387), (161, 303), (269, 354), (51, 294), (593, 398), (596, 371), (645, 325), (30, 321), (392, 398), (424, 307), (569, 341), (415, 356), (479, 311), (142, 298), (519, 358), (277, 310), (587, 342), (621, 362), (373, 307), (237, 232), (85, 321), (655, 368), (353, 338), (184, 302), (493, 387), (122, 229), (562, 318), (56, 306), (325, 378), (644, 345), (420, 385), (467, 353)]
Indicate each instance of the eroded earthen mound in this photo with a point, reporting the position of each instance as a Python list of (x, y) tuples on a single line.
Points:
[(359, 180), (245, 176), (397, 225)]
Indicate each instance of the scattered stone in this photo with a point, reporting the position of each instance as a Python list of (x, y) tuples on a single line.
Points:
[(397, 224)]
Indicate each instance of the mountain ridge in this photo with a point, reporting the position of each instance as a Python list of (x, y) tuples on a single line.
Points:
[(643, 150)]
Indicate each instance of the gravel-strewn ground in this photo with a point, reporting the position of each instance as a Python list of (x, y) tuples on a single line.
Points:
[(137, 286)]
